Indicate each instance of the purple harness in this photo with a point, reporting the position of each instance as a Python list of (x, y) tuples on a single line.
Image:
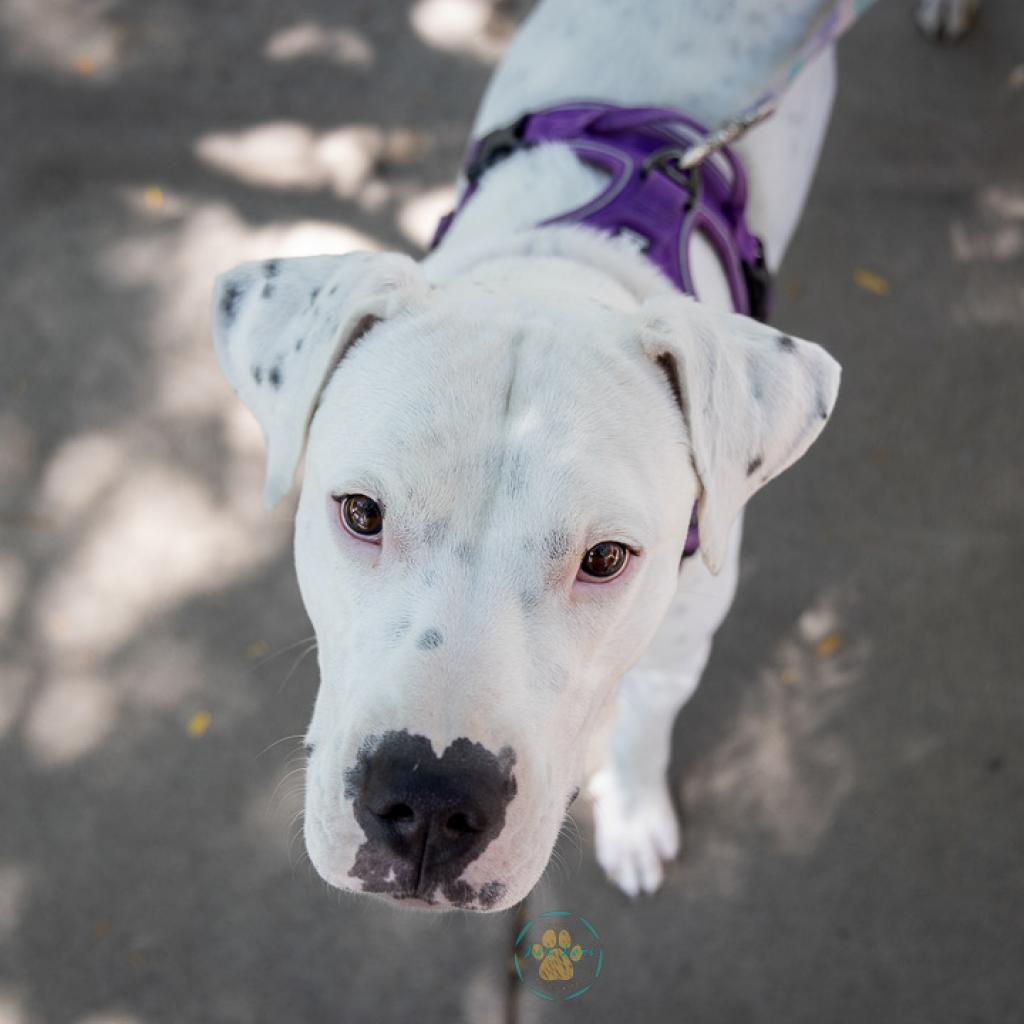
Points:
[(649, 199)]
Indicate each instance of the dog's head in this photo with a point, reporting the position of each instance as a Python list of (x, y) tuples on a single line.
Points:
[(498, 485)]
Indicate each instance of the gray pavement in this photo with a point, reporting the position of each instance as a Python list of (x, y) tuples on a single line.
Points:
[(851, 773)]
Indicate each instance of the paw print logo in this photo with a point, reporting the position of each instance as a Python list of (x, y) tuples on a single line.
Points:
[(556, 954), (550, 963)]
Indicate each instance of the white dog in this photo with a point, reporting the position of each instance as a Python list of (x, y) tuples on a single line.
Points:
[(504, 444)]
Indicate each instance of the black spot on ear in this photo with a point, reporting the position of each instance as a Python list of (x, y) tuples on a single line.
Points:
[(313, 294), (257, 374), (754, 465), (229, 301), (822, 408), (332, 289), (271, 268), (268, 290), (299, 343), (430, 640), (275, 377), (786, 343)]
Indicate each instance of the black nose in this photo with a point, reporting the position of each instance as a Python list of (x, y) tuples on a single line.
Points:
[(426, 817)]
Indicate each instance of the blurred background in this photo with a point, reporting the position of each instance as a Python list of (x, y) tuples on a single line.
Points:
[(851, 773)]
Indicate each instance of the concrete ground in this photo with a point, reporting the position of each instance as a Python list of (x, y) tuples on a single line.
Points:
[(851, 773)]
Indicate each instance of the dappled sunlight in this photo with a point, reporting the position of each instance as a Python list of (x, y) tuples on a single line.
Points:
[(71, 36), (470, 27), (288, 155), (12, 1007), (69, 717), (418, 216), (344, 46), (785, 764), (157, 538), (989, 245)]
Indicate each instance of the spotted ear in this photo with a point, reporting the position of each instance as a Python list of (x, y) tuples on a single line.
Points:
[(753, 399), (280, 328)]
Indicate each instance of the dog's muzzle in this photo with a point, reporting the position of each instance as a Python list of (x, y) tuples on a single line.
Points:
[(426, 817)]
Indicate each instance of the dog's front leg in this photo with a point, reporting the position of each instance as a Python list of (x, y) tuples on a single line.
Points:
[(636, 828)]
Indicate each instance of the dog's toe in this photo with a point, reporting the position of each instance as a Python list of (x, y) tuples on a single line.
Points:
[(946, 20), (635, 833)]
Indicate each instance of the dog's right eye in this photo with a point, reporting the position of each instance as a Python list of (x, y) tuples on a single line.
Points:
[(361, 516)]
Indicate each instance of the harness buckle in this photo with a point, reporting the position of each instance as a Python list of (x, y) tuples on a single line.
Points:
[(758, 279), (497, 146), (667, 161)]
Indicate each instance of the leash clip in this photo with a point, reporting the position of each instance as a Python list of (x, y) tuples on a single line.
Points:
[(725, 135), (495, 147)]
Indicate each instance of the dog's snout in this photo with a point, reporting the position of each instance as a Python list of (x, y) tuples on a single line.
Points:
[(426, 817)]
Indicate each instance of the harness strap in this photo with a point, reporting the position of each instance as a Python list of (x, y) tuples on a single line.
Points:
[(648, 199)]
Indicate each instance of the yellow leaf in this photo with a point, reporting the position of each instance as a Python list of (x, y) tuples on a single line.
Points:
[(198, 724), (256, 650), (870, 281), (85, 66), (153, 197), (828, 645)]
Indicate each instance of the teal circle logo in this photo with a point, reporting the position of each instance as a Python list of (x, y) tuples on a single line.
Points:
[(558, 955)]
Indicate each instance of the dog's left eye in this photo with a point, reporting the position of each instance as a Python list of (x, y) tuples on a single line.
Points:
[(361, 516), (604, 561)]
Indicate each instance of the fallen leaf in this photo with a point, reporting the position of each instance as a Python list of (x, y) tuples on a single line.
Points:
[(255, 650), (153, 197), (870, 281), (85, 66), (198, 724), (828, 645)]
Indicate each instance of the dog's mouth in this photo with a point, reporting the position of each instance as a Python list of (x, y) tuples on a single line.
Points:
[(415, 901)]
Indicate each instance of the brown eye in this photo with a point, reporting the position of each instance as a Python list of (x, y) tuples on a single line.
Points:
[(604, 561), (361, 516)]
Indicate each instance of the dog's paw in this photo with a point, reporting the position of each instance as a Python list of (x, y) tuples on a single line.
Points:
[(635, 832), (946, 20)]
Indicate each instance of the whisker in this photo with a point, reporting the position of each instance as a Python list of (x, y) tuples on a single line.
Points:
[(283, 739), (267, 658), (298, 661)]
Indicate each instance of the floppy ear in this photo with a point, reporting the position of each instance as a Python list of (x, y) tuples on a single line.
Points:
[(281, 327), (753, 399)]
